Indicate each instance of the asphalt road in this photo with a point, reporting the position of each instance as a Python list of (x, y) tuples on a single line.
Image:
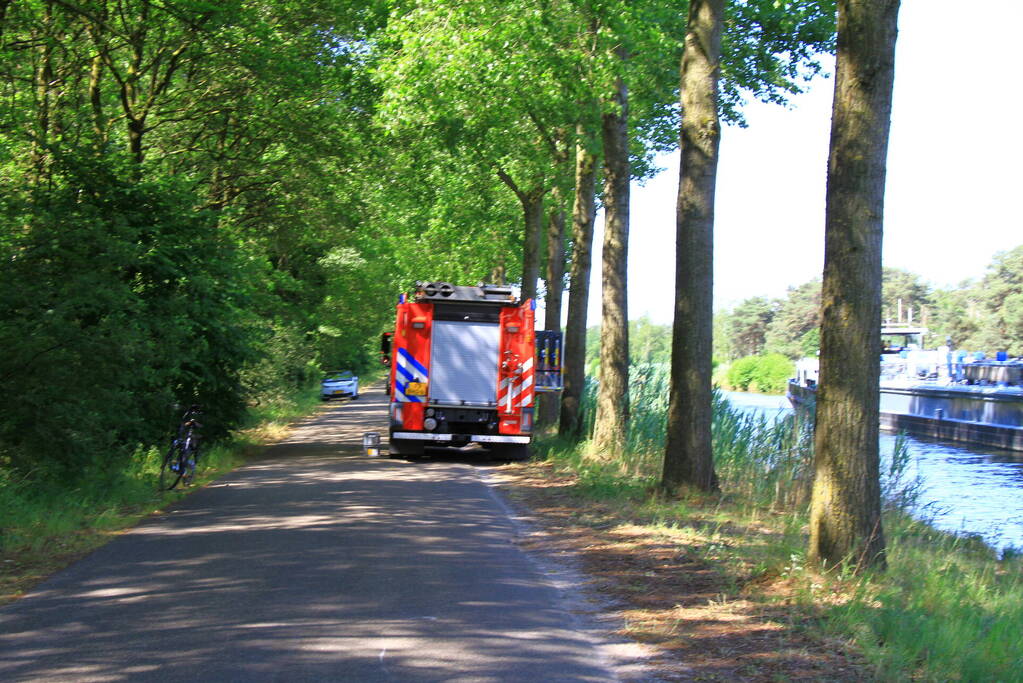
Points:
[(314, 562)]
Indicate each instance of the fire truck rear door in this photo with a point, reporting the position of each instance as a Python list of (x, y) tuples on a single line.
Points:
[(463, 367)]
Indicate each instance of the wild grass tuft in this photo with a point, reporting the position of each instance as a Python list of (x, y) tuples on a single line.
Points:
[(766, 461), (946, 609)]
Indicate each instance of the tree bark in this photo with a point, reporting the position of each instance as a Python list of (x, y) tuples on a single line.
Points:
[(845, 515), (547, 414), (134, 112), (688, 455), (532, 215), (611, 421), (99, 122), (44, 97), (532, 212), (555, 278), (574, 356)]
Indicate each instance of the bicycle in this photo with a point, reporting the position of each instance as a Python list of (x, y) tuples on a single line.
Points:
[(179, 464)]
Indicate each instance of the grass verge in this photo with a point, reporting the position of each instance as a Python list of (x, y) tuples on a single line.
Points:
[(722, 583), (690, 577)]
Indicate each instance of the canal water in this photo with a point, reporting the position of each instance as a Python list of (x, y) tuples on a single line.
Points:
[(965, 489)]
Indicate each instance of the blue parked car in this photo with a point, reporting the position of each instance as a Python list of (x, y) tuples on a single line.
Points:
[(339, 384)]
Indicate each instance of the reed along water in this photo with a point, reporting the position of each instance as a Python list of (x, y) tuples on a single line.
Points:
[(974, 490)]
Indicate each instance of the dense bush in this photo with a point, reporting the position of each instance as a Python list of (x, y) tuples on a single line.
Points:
[(741, 373), (772, 373), (115, 303), (767, 374)]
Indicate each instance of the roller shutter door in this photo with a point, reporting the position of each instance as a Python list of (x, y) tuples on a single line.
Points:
[(463, 364)]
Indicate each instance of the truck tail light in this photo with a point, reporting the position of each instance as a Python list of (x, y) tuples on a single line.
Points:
[(527, 420)]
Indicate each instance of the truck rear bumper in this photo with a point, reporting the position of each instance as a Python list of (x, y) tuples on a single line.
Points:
[(478, 438)]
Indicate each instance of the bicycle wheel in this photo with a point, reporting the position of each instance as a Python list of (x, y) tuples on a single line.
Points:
[(171, 469), (187, 463)]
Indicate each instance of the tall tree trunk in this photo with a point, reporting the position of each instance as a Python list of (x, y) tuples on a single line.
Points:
[(555, 276), (99, 122), (532, 212), (41, 153), (611, 421), (845, 515), (136, 130), (688, 455), (134, 110), (574, 356), (548, 402)]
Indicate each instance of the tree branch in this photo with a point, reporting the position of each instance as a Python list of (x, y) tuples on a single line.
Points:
[(510, 182)]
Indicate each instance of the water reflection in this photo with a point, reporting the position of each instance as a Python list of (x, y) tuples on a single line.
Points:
[(976, 490)]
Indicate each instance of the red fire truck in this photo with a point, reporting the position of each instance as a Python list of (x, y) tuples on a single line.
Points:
[(466, 364)]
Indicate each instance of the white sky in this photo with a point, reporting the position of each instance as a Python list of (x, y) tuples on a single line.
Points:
[(953, 184)]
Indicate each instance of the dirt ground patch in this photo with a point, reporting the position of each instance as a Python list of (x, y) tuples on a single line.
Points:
[(707, 623)]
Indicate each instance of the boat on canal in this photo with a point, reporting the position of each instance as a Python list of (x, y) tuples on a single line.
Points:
[(944, 394)]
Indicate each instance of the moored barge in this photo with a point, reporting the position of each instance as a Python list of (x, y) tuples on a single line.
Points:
[(946, 395)]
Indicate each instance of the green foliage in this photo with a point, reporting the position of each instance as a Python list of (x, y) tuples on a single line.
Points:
[(789, 326), (649, 343), (762, 459), (766, 374), (810, 342), (749, 323), (1001, 297), (116, 304), (797, 315), (192, 235), (905, 291), (438, 217), (771, 48), (741, 372), (773, 373), (984, 315)]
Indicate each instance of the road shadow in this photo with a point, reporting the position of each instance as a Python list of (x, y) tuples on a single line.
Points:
[(313, 562), (473, 455)]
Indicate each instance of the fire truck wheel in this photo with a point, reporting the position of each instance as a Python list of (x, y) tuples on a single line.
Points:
[(510, 451), (405, 448)]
